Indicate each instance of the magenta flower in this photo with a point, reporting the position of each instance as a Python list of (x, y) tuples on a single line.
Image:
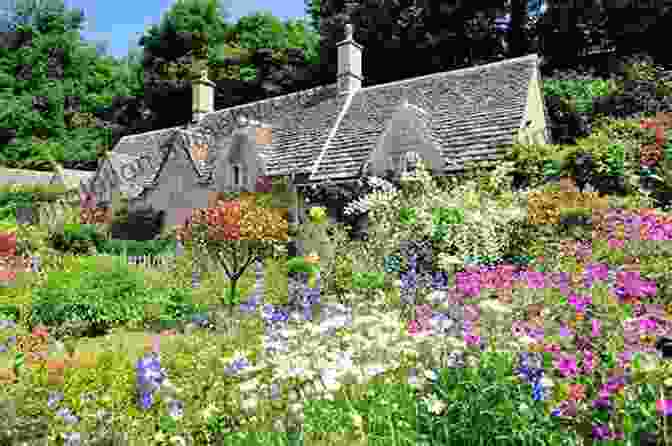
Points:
[(566, 365), (664, 407), (470, 339), (578, 302), (647, 324)]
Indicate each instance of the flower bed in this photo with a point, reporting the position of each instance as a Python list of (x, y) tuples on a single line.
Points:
[(561, 350)]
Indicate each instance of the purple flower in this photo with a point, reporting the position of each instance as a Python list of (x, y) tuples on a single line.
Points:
[(598, 271), (601, 432)]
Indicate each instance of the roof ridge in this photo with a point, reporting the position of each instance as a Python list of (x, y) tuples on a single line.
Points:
[(458, 71)]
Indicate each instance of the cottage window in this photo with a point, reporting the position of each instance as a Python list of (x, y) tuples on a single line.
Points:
[(236, 176)]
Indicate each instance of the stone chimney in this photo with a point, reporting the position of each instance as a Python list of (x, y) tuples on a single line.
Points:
[(203, 96), (349, 63)]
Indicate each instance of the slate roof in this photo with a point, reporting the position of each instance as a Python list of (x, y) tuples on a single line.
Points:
[(473, 114)]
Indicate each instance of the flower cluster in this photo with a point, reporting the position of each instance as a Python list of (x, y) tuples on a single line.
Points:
[(150, 375)]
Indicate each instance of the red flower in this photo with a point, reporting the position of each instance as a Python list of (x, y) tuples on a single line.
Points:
[(40, 331)]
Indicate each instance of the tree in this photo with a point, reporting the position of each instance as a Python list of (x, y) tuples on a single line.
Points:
[(47, 15), (234, 234), (313, 12)]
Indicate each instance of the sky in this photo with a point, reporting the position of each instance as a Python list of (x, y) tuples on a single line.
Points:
[(118, 21)]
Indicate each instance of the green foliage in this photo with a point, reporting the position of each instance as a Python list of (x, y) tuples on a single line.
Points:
[(531, 160), (582, 91), (299, 265), (106, 293), (94, 292), (136, 248), (77, 239)]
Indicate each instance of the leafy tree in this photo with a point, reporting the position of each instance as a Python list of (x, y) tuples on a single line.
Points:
[(261, 30), (313, 12), (46, 16), (234, 234)]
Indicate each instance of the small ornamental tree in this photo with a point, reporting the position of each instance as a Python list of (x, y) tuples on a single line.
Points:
[(234, 234)]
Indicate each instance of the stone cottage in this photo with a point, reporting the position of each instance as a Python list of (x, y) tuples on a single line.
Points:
[(334, 133)]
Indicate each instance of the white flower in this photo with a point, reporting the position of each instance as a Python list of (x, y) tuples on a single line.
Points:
[(356, 420), (434, 405), (249, 404)]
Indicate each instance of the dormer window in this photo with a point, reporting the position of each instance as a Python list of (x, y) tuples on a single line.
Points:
[(410, 163)]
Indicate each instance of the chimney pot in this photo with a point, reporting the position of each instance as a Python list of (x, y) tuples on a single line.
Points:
[(203, 96)]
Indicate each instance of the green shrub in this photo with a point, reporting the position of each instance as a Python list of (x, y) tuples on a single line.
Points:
[(299, 265), (100, 293), (137, 248), (583, 91), (76, 238)]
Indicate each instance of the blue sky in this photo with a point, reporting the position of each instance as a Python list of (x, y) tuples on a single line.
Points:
[(118, 21)]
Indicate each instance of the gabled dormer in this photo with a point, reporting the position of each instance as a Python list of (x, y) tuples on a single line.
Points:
[(407, 136), (241, 159)]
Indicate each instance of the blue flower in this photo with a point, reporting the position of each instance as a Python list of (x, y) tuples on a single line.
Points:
[(54, 397), (236, 366), (538, 391), (175, 408), (145, 400), (200, 319), (67, 416)]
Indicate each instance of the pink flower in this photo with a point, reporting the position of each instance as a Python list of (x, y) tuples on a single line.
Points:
[(552, 348), (535, 279), (598, 271), (595, 328), (615, 243), (471, 339), (423, 311)]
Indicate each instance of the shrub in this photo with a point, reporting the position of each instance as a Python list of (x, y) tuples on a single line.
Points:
[(140, 224), (136, 248), (77, 239), (99, 292)]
